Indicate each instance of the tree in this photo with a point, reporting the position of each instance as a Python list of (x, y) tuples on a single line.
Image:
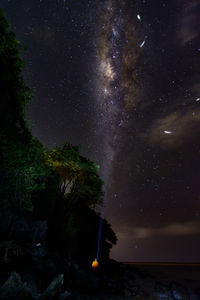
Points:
[(13, 91), (57, 185), (25, 166), (76, 172), (21, 156)]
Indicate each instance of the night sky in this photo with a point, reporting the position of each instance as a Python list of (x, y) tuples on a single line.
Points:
[(121, 79)]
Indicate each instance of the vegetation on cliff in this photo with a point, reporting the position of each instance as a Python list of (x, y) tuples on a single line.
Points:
[(57, 186)]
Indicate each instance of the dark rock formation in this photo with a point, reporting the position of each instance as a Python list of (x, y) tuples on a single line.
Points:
[(14, 288), (179, 292), (53, 288)]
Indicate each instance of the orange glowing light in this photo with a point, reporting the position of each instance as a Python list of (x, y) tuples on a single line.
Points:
[(95, 264)]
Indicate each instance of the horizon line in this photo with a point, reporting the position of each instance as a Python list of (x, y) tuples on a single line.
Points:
[(160, 262)]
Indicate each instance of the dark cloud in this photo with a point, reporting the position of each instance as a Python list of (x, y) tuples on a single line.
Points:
[(188, 24), (176, 129)]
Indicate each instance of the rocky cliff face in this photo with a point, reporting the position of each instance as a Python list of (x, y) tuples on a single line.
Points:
[(34, 272)]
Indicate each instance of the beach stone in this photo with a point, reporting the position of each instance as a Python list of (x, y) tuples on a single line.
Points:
[(12, 286), (162, 291), (14, 289), (178, 292), (64, 295), (132, 291), (53, 288)]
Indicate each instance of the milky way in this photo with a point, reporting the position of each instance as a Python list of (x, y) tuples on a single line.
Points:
[(117, 58), (121, 79)]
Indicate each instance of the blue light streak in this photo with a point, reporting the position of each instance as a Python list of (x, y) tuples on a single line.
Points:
[(99, 236)]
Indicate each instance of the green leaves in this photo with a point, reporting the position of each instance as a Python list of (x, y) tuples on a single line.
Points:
[(26, 168), (73, 168), (61, 183)]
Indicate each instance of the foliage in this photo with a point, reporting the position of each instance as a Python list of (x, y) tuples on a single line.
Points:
[(26, 169), (57, 185), (14, 93), (77, 171), (85, 189), (21, 156)]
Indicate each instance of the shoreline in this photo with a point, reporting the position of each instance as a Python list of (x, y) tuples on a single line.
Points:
[(161, 264)]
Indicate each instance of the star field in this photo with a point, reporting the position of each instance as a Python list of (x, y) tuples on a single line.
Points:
[(121, 79)]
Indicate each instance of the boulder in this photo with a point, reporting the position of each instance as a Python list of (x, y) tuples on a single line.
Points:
[(162, 291), (14, 288), (64, 295), (85, 281), (54, 288), (20, 229), (38, 231), (132, 291), (10, 251), (178, 292)]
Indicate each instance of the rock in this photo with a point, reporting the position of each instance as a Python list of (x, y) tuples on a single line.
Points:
[(83, 280), (6, 220), (64, 295), (11, 251), (162, 291), (76, 266), (20, 228), (53, 288), (36, 252), (14, 288), (132, 291), (178, 292), (38, 231)]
